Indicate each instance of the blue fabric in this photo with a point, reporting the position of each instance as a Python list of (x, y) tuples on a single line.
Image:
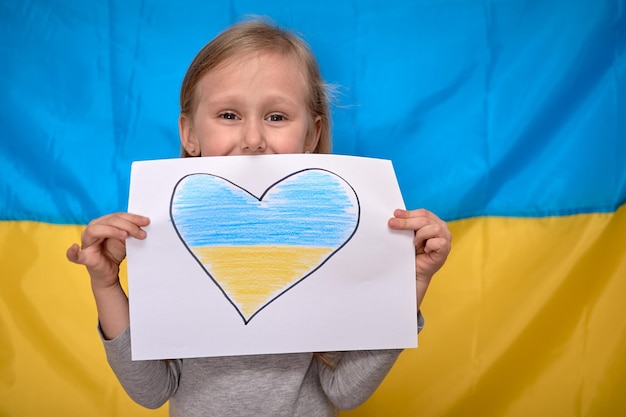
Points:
[(497, 108)]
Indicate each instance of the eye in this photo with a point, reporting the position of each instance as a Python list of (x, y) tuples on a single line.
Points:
[(276, 117), (228, 116)]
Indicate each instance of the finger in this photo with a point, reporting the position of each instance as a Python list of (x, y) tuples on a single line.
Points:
[(408, 214), (116, 226), (437, 245), (410, 223), (405, 214), (72, 253), (434, 238), (76, 255), (405, 222), (413, 219), (137, 219), (94, 234), (431, 231), (123, 220)]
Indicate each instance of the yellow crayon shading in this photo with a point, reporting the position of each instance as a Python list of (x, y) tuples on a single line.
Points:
[(251, 276)]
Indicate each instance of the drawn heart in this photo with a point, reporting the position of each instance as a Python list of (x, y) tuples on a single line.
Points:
[(256, 249)]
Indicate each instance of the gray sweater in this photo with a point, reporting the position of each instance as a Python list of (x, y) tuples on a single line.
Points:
[(289, 385)]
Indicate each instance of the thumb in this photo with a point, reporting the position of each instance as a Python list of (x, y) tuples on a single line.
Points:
[(72, 253)]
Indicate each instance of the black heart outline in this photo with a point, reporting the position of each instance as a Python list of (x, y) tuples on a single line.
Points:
[(246, 321)]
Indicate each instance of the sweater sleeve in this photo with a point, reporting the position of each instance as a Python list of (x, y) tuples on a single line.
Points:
[(149, 383), (355, 375)]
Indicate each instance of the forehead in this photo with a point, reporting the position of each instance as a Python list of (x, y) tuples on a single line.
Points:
[(248, 63), (254, 72)]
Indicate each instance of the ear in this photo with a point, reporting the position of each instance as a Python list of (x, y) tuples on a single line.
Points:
[(188, 138), (314, 138)]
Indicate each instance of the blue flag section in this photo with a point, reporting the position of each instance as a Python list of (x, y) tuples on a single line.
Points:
[(486, 108), (505, 118)]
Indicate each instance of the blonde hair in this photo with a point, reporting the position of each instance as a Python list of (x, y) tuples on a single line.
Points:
[(255, 36)]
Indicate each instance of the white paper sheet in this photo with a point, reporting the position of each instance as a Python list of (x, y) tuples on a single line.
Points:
[(268, 254)]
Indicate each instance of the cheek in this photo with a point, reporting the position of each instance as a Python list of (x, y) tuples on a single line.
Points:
[(288, 146), (213, 140), (297, 140)]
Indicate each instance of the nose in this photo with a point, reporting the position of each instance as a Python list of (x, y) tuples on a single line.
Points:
[(253, 137)]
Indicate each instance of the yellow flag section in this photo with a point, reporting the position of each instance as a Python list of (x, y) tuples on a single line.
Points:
[(52, 362), (525, 319)]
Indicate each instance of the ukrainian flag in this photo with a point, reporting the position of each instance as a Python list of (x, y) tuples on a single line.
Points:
[(506, 118)]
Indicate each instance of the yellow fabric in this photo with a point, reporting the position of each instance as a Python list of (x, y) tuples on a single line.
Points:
[(525, 319), (52, 362)]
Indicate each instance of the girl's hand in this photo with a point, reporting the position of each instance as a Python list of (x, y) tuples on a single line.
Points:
[(103, 246), (432, 240)]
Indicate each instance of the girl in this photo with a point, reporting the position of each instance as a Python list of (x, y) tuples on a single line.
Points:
[(254, 89)]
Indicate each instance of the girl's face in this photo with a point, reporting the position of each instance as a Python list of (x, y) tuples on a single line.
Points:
[(255, 104)]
